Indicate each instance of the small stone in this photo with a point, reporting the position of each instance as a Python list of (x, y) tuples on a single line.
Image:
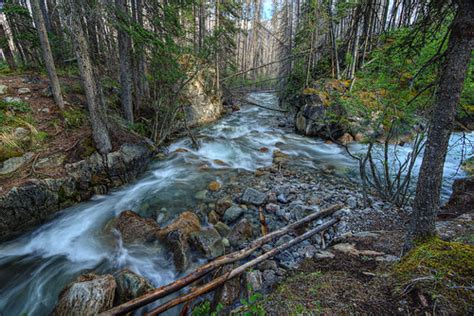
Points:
[(214, 186), (225, 242), (308, 251), (46, 92), (352, 202), (212, 217), (201, 195), (223, 204), (24, 90), (253, 280), (222, 228), (55, 160), (232, 214), (130, 285), (323, 254), (252, 196), (282, 198), (272, 208), (268, 265), (387, 258), (282, 240), (242, 232)]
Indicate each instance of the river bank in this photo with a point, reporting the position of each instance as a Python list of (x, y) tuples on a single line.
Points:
[(247, 160)]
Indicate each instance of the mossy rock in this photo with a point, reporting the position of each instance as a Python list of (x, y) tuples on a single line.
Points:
[(441, 271), (468, 166)]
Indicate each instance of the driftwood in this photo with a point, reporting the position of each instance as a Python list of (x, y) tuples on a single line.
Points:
[(218, 262), (239, 270)]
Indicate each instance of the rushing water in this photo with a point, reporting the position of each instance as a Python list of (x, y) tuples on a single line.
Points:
[(35, 267)]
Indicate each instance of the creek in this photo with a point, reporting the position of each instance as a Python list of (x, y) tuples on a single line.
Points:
[(36, 266)]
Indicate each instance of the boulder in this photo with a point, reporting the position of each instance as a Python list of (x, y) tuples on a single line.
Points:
[(252, 196), (15, 163), (462, 198), (232, 214), (242, 232), (135, 229), (176, 237), (346, 139), (208, 241), (253, 280), (130, 285), (89, 294), (313, 118)]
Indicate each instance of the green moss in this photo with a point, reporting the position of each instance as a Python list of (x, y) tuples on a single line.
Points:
[(442, 271), (468, 166), (72, 88), (74, 117)]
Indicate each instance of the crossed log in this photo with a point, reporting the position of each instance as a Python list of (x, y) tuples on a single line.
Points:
[(224, 260)]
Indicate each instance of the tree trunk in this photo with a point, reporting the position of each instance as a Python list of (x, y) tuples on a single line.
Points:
[(5, 46), (95, 104), (47, 55), (124, 57), (451, 81)]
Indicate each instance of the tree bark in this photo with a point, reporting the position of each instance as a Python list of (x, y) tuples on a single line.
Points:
[(453, 74), (97, 114), (47, 55), (124, 57)]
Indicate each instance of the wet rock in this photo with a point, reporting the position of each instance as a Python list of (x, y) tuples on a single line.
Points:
[(135, 229), (352, 202), (130, 285), (89, 294), (15, 163), (232, 214), (24, 90), (280, 157), (187, 223), (201, 195), (209, 242), (223, 204), (241, 233), (214, 186), (252, 196), (282, 198), (178, 244), (230, 291), (3, 89), (222, 228)]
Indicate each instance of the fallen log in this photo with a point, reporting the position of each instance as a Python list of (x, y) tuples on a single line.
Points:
[(218, 262), (260, 106), (239, 270)]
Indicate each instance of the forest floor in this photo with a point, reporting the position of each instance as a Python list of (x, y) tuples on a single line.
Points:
[(33, 127)]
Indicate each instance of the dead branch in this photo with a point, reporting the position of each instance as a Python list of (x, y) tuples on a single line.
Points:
[(218, 262), (261, 106), (239, 270)]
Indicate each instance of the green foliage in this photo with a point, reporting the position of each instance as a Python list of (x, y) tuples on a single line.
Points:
[(252, 305), (74, 117), (204, 309)]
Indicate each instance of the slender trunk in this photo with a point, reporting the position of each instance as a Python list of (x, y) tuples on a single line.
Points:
[(124, 57), (47, 55), (451, 81), (5, 46), (333, 40), (95, 104)]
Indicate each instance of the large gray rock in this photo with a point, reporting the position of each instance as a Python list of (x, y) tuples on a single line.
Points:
[(252, 196), (209, 242), (15, 163), (89, 294), (130, 285), (24, 90), (232, 214), (462, 198)]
